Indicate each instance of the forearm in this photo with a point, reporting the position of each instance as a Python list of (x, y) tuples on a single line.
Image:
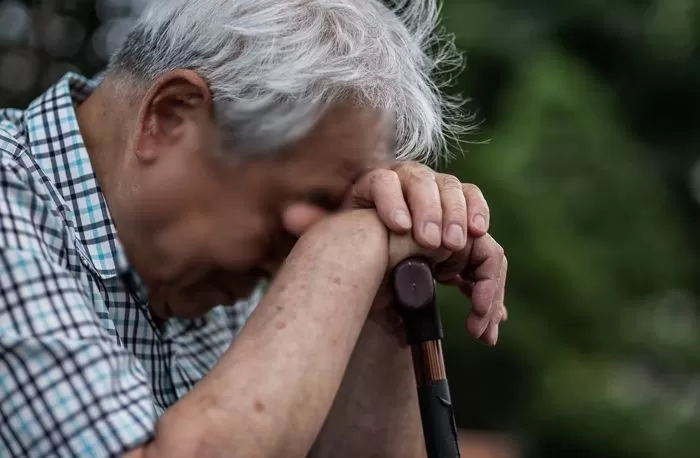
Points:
[(376, 410), (269, 394)]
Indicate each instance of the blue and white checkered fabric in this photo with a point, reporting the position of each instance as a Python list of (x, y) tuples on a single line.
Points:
[(84, 368)]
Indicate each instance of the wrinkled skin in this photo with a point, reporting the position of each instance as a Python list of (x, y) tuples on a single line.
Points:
[(202, 228)]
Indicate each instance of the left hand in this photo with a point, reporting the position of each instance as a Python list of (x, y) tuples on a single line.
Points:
[(443, 212)]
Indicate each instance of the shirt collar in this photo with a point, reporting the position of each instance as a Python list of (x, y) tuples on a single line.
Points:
[(56, 144)]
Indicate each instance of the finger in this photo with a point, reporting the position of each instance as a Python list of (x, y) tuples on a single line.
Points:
[(503, 310), (497, 305), (491, 322), (475, 326), (454, 212), (381, 189), (423, 197), (478, 213), (490, 336), (486, 261), (478, 326), (452, 267), (501, 291)]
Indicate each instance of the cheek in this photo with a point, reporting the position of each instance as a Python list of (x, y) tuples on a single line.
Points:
[(174, 188), (182, 250), (240, 243)]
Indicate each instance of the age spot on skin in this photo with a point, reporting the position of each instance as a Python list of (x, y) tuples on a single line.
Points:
[(258, 406)]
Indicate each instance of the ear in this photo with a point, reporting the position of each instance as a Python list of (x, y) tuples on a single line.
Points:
[(172, 109)]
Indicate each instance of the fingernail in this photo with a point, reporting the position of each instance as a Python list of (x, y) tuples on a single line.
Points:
[(455, 235), (431, 231), (494, 336), (479, 222), (490, 336), (402, 218)]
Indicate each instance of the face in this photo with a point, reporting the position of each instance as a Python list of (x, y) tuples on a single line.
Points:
[(202, 228)]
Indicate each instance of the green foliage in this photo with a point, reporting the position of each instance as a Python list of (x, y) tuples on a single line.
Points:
[(599, 357)]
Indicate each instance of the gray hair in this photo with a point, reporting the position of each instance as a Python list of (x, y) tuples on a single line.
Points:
[(273, 66)]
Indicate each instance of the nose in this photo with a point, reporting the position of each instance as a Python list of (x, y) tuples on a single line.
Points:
[(298, 217)]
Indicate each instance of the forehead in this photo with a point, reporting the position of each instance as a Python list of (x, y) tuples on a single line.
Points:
[(347, 132), (346, 141)]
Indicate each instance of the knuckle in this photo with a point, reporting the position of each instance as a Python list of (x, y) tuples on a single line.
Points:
[(400, 166), (404, 168), (499, 251), (495, 248), (420, 175), (375, 175), (381, 180), (387, 179), (391, 176), (455, 214), (455, 205), (470, 189), (412, 168), (450, 183), (363, 180), (473, 194)]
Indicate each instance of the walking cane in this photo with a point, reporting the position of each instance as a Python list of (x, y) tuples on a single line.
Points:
[(414, 298)]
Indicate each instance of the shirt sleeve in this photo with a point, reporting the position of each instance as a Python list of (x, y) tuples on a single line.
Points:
[(67, 387)]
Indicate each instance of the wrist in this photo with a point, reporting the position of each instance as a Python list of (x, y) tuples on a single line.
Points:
[(350, 240)]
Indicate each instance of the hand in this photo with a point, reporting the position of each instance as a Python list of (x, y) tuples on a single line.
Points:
[(438, 208), (479, 271), (476, 264)]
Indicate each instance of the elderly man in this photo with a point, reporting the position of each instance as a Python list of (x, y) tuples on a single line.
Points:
[(255, 153)]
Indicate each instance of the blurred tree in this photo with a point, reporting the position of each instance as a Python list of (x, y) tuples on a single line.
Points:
[(590, 195)]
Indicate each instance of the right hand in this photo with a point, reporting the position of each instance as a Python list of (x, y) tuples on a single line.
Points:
[(478, 270), (402, 247)]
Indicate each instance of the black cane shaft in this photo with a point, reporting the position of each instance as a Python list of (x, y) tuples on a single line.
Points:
[(437, 417), (414, 298)]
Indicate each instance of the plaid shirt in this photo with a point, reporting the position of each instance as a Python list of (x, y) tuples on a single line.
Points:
[(84, 368)]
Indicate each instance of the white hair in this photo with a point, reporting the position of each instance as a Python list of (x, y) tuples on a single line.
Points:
[(273, 66)]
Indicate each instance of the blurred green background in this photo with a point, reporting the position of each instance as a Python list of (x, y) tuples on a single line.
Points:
[(588, 153)]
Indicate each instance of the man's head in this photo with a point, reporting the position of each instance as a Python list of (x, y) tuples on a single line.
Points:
[(235, 124)]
